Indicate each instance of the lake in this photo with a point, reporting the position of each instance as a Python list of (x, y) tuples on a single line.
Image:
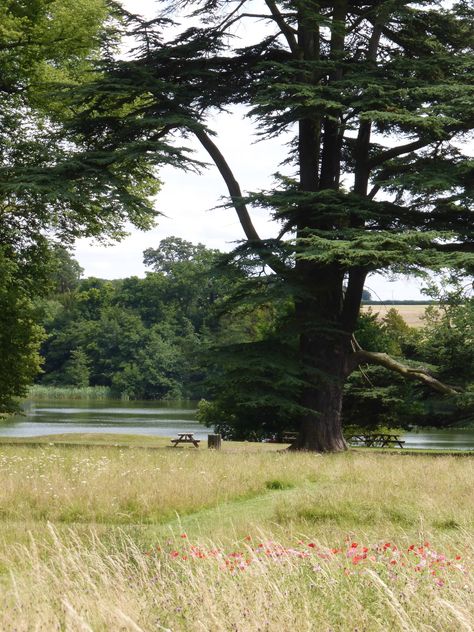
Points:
[(147, 418), (162, 419)]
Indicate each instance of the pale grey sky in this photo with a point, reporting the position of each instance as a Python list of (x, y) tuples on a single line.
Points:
[(186, 201)]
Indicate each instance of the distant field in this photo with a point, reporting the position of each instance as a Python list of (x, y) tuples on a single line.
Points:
[(411, 314)]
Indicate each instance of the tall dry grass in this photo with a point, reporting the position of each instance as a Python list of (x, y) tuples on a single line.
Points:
[(78, 584), (81, 527), (124, 485), (119, 486)]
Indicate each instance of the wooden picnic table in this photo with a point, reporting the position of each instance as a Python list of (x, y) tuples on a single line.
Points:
[(290, 436), (376, 440), (186, 437)]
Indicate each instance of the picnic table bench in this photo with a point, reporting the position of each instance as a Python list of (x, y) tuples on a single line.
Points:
[(289, 436), (376, 440), (185, 437)]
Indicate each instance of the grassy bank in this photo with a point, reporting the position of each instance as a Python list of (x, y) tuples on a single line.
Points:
[(39, 392), (130, 539)]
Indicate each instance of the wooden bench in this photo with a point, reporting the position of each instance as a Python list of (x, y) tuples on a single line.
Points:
[(376, 440), (185, 437)]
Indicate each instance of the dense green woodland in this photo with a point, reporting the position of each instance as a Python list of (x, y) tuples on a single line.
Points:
[(164, 337), (140, 337), (377, 98)]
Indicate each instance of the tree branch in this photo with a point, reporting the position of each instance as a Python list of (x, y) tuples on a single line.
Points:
[(229, 17), (285, 28), (397, 151), (361, 153), (232, 184), (465, 246), (420, 374), (352, 298), (238, 201)]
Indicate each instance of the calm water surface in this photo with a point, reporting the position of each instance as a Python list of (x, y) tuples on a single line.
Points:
[(162, 419), (147, 418)]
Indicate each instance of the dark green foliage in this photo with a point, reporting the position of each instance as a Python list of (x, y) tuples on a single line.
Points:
[(76, 370), (374, 398), (378, 97), (448, 339), (253, 391), (141, 337), (20, 336)]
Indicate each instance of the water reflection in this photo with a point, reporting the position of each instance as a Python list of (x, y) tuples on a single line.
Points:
[(441, 439), (151, 418), (163, 419)]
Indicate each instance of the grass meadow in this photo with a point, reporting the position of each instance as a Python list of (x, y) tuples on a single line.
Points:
[(114, 538)]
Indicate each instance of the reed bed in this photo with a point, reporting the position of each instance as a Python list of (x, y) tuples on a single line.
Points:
[(39, 392)]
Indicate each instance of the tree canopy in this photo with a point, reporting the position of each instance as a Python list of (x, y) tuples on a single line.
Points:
[(43, 194), (143, 338), (378, 98)]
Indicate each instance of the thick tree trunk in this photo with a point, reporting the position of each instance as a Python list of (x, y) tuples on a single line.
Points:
[(321, 427), (325, 351)]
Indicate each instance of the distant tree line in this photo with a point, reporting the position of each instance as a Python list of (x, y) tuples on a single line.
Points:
[(139, 336), (178, 333)]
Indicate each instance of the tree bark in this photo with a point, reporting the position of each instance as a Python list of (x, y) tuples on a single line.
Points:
[(321, 427), (324, 351)]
